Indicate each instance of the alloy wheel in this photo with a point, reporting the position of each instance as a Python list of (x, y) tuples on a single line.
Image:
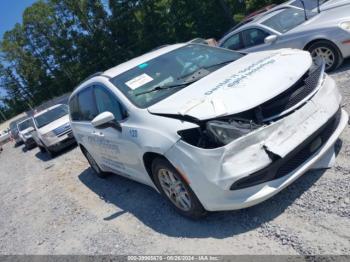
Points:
[(174, 189), (326, 54)]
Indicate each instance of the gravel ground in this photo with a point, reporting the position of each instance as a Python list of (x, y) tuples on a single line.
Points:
[(59, 207)]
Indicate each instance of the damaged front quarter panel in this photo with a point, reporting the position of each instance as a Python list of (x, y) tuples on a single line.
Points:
[(256, 150)]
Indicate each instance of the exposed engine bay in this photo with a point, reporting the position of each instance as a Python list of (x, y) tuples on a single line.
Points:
[(217, 133)]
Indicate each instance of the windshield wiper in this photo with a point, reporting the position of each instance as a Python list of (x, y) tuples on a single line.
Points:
[(158, 88)]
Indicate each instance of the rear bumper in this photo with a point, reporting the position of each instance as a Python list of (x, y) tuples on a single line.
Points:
[(212, 172)]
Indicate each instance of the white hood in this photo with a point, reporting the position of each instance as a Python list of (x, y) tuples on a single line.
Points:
[(239, 86), (27, 130), (55, 124)]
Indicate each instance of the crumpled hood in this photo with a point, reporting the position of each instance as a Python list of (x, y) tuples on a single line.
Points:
[(239, 86), (55, 124)]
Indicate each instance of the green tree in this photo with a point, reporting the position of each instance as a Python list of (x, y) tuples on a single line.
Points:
[(60, 42)]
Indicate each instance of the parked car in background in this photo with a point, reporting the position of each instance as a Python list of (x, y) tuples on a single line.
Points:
[(324, 31), (26, 129), (209, 128), (52, 129), (14, 130), (4, 136)]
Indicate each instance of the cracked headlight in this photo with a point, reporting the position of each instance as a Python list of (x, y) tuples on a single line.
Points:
[(225, 132), (345, 26)]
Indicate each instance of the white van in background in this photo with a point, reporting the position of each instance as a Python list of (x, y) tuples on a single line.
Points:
[(52, 129)]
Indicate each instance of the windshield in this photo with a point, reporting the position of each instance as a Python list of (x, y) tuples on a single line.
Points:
[(25, 124), (50, 116), (13, 127), (141, 84), (309, 4), (287, 19)]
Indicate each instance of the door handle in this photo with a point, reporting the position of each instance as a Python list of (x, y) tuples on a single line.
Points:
[(99, 134)]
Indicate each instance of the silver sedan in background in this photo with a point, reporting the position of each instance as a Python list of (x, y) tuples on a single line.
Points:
[(321, 27)]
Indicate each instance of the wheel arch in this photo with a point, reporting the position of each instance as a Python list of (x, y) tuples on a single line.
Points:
[(310, 43), (82, 148), (148, 159)]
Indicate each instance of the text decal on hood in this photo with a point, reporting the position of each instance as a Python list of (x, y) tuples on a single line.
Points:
[(234, 80)]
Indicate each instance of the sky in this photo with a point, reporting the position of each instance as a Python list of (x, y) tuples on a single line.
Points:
[(11, 13)]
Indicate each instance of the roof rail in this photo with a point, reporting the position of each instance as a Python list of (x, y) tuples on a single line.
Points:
[(158, 47), (91, 76)]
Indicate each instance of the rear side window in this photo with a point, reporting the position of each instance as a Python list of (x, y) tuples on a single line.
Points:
[(83, 107), (74, 108)]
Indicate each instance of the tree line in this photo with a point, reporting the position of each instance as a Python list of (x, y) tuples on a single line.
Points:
[(60, 42)]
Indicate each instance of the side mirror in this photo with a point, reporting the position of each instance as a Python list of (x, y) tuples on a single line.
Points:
[(270, 39), (31, 129), (104, 120)]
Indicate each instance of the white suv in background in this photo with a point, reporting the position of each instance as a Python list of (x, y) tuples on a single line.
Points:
[(209, 128), (52, 129), (26, 129)]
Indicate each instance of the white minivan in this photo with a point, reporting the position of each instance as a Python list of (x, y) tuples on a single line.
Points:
[(210, 128), (52, 129)]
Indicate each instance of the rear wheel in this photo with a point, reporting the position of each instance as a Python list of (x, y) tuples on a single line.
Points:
[(175, 189), (328, 52), (94, 165)]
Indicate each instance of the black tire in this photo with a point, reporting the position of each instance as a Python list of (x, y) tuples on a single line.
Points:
[(42, 149), (27, 146), (94, 165), (196, 210), (51, 153), (335, 53)]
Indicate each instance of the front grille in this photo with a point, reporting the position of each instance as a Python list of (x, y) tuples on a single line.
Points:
[(65, 133), (294, 95), (286, 165), (62, 130)]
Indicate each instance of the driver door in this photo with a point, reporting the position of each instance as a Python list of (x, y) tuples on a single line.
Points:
[(118, 152)]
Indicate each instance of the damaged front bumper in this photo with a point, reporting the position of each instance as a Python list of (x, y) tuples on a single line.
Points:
[(255, 167)]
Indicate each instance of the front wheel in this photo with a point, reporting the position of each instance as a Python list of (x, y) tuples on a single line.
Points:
[(50, 152), (42, 149), (328, 52), (175, 189)]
